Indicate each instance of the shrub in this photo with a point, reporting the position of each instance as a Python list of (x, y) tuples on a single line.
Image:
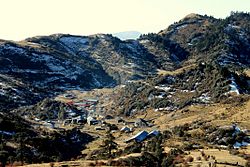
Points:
[(247, 163), (133, 148), (189, 159), (234, 152), (179, 159), (51, 164), (203, 153)]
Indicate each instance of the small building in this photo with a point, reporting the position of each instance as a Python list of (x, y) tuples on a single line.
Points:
[(91, 121), (91, 100), (68, 96), (153, 133), (139, 137), (126, 129), (78, 120), (49, 125)]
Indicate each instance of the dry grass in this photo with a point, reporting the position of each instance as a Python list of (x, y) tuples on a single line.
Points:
[(81, 163), (217, 114), (247, 72), (29, 44), (214, 114), (221, 156), (176, 72)]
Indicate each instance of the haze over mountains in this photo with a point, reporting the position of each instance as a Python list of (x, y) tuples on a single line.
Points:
[(127, 35)]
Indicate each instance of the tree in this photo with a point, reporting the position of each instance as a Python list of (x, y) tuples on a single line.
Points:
[(155, 146), (21, 138), (61, 115), (159, 150), (3, 157), (3, 152), (109, 144)]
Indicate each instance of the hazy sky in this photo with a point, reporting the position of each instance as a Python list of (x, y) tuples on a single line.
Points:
[(25, 18)]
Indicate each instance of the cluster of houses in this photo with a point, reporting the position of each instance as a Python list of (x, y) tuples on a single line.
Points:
[(85, 113), (87, 104), (86, 108)]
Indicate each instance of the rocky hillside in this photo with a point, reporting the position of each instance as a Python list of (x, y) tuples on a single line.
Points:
[(32, 143), (42, 66), (204, 38), (201, 84), (191, 77), (208, 56)]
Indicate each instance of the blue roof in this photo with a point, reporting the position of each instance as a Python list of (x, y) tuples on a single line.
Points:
[(140, 136), (153, 133), (143, 135)]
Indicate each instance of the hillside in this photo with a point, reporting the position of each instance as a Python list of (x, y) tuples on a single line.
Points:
[(182, 91), (47, 65)]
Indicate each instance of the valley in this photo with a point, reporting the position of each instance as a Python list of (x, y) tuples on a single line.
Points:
[(179, 97)]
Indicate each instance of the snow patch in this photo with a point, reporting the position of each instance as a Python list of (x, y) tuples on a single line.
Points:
[(74, 41), (233, 87), (165, 88), (7, 133), (56, 66), (181, 26), (204, 98), (74, 44)]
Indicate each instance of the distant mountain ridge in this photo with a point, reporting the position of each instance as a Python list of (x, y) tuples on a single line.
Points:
[(127, 35), (43, 66), (190, 83)]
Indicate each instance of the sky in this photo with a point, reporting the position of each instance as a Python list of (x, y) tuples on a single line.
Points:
[(21, 19)]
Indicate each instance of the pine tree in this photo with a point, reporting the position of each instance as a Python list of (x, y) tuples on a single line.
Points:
[(20, 137), (109, 144), (61, 115), (3, 157), (3, 152), (159, 150)]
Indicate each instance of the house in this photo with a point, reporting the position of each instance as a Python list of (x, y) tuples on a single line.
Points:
[(49, 125), (139, 137), (153, 133), (91, 121), (68, 96), (126, 129), (78, 119), (91, 100)]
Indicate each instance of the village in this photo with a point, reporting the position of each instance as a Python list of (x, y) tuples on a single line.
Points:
[(89, 116), (87, 112)]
